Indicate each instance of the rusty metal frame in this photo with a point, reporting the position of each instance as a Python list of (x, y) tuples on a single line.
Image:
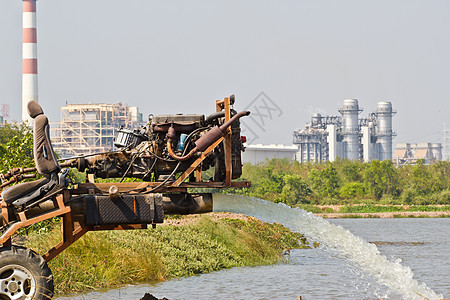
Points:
[(61, 209), (73, 231)]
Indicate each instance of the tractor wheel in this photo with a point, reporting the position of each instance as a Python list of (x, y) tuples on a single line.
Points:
[(24, 275)]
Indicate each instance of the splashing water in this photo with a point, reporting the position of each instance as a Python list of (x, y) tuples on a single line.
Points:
[(366, 257)]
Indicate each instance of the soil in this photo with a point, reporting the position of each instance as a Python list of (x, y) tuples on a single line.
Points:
[(386, 215)]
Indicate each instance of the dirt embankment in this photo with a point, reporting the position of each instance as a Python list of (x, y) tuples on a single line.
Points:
[(385, 215)]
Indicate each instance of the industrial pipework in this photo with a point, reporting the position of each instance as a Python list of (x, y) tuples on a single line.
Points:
[(384, 131), (350, 131)]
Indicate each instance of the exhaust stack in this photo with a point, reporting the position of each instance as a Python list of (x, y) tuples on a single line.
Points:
[(29, 58)]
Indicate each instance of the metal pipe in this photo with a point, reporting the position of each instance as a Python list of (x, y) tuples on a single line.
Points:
[(206, 140)]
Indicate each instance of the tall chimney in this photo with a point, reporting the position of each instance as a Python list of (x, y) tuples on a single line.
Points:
[(29, 57)]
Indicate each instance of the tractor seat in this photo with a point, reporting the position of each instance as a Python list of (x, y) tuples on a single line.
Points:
[(23, 193), (45, 160)]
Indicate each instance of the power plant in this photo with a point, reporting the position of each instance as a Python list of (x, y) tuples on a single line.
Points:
[(407, 153), (327, 138), (29, 58), (86, 129)]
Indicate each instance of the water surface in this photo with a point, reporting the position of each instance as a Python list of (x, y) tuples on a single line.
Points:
[(410, 263)]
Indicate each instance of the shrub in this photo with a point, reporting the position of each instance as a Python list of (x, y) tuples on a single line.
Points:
[(352, 190)]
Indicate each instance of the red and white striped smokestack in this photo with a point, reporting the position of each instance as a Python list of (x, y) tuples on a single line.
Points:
[(29, 57)]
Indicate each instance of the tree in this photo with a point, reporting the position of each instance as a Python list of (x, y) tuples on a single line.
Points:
[(382, 178), (16, 148), (295, 189), (352, 190), (373, 179), (352, 171), (326, 182)]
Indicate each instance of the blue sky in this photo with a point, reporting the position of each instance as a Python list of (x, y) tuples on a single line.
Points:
[(179, 56)]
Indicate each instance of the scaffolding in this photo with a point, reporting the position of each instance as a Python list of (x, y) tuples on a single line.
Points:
[(86, 129)]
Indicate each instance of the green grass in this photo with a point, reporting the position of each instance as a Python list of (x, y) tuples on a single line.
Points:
[(113, 258), (429, 208), (369, 208), (420, 216), (373, 208)]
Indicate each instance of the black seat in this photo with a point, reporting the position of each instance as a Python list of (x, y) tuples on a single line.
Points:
[(46, 163)]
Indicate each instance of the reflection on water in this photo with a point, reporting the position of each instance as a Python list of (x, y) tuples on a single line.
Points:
[(346, 267)]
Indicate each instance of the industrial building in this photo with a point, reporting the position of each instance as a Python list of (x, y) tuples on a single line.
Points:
[(91, 128), (326, 138), (259, 153), (406, 153)]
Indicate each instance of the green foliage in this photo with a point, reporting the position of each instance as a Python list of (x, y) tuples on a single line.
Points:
[(422, 181), (16, 147), (111, 258), (39, 228), (343, 181), (295, 189), (381, 179), (429, 208), (370, 208), (325, 182), (352, 170), (352, 190)]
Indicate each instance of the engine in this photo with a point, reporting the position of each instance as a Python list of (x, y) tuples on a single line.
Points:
[(168, 145)]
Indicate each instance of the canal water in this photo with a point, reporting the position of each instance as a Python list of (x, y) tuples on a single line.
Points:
[(405, 259)]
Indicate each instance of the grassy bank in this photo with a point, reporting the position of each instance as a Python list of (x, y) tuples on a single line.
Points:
[(112, 258), (378, 211), (372, 208)]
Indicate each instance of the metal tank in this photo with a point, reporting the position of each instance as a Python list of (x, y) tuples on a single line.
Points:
[(436, 150), (384, 131), (350, 128)]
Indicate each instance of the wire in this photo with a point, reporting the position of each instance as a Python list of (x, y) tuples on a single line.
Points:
[(87, 155), (186, 146), (425, 136), (132, 161)]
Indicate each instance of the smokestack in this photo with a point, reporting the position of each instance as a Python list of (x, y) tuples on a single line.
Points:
[(29, 58), (350, 129), (384, 131)]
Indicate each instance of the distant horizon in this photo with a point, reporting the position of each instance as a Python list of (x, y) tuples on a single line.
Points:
[(9, 121)]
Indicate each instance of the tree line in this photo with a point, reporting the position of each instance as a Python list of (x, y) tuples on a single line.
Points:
[(344, 182), (291, 182)]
